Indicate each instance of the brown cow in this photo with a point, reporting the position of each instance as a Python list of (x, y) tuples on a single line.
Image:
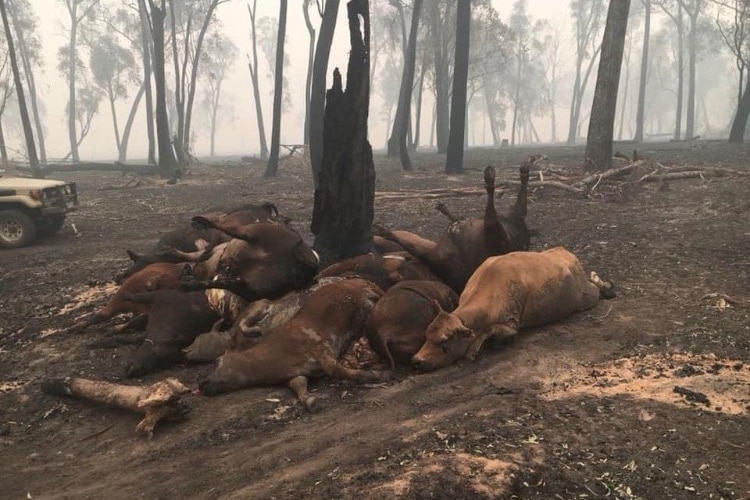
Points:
[(383, 270), (308, 345), (506, 293), (196, 239), (466, 244), (398, 321), (253, 321), (261, 261), (175, 319), (162, 275)]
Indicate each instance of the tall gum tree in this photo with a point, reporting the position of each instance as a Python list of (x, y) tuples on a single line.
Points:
[(604, 106)]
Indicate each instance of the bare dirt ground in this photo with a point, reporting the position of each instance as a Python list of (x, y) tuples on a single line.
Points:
[(584, 408)]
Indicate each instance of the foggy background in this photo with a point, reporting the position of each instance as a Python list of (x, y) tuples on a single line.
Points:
[(716, 88)]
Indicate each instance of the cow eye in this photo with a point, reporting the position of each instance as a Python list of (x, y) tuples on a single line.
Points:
[(444, 348)]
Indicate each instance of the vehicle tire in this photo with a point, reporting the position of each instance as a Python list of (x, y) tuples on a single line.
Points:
[(16, 229), (49, 225)]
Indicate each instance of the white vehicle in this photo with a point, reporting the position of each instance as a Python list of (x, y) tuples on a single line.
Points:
[(33, 208)]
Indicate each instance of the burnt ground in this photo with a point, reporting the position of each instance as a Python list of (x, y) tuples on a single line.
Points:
[(584, 408)]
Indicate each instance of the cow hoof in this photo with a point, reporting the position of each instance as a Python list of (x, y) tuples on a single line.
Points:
[(312, 404), (489, 177)]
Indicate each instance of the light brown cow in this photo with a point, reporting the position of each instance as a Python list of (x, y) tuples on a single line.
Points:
[(506, 293), (308, 345)]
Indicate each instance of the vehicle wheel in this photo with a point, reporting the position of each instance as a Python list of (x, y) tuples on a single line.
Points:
[(16, 229), (50, 225)]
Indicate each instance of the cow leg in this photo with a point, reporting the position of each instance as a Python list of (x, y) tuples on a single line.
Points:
[(135, 324), (491, 219), (606, 288), (475, 346), (522, 199), (416, 245), (443, 209), (299, 386), (333, 368)]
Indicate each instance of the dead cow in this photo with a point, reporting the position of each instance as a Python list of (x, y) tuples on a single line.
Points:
[(466, 244), (383, 270), (308, 345), (170, 246), (162, 275), (261, 261), (254, 320), (176, 318), (505, 294), (396, 327)]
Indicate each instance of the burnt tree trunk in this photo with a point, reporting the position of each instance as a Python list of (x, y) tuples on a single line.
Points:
[(455, 158), (343, 211)]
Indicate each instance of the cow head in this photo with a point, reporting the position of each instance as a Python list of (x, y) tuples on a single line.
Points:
[(149, 357), (224, 378), (446, 340)]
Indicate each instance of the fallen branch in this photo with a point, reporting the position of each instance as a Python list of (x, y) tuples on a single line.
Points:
[(694, 174), (554, 184), (596, 178), (158, 401), (131, 184)]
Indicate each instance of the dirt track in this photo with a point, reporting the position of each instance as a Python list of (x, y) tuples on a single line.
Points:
[(584, 408)]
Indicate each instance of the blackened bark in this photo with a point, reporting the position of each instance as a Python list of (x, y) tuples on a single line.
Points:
[(455, 158), (602, 121), (27, 132), (167, 161), (273, 159), (397, 141), (3, 149), (72, 135), (318, 87), (343, 211), (439, 39), (737, 133)]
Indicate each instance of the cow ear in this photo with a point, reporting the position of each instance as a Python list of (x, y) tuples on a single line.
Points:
[(306, 254), (133, 256), (465, 333)]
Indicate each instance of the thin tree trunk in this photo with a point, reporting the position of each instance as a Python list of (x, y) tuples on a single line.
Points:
[(318, 86), (72, 135), (179, 87), (310, 61), (680, 73), (644, 73), (624, 102), (459, 105), (3, 149), (30, 81), (123, 149), (273, 159), (441, 91), (692, 49), (27, 132), (418, 110), (194, 72), (147, 47), (111, 98), (214, 114), (253, 65), (397, 142)]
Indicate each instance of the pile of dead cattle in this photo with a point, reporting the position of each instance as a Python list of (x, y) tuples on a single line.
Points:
[(240, 287)]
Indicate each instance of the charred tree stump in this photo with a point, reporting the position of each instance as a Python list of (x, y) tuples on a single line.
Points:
[(345, 193)]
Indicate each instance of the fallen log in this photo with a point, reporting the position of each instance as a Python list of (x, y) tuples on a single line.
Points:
[(158, 401), (91, 166), (690, 174)]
